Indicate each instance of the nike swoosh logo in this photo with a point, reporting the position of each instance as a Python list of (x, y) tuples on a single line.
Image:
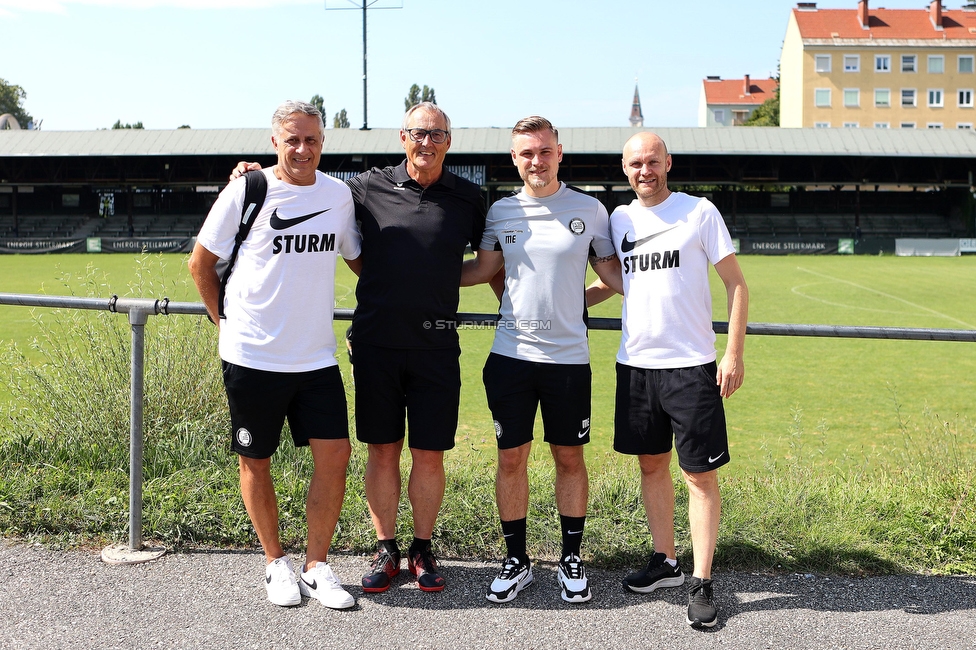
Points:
[(574, 532), (583, 433), (280, 224), (509, 535), (313, 585), (628, 245), (712, 460)]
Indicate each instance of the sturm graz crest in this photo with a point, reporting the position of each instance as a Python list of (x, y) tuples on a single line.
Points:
[(576, 226), (244, 437)]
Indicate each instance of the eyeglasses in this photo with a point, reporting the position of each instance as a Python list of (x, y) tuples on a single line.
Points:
[(437, 136)]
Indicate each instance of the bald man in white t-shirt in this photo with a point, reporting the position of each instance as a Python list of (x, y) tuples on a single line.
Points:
[(669, 386)]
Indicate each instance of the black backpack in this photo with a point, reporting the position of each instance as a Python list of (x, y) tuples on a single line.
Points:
[(255, 191)]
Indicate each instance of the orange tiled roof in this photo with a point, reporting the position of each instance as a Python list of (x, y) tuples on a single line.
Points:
[(898, 24), (732, 91)]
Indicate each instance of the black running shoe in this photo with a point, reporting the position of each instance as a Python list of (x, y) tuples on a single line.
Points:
[(658, 573), (384, 567), (701, 607), (423, 564)]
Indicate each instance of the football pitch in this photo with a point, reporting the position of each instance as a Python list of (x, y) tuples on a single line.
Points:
[(851, 398)]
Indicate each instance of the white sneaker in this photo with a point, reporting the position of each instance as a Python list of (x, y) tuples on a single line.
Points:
[(279, 578), (320, 582), (573, 585), (513, 578)]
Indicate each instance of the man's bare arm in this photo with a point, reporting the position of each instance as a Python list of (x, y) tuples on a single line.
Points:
[(203, 269), (731, 370)]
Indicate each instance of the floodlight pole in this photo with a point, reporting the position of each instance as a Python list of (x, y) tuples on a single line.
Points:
[(364, 5), (365, 121)]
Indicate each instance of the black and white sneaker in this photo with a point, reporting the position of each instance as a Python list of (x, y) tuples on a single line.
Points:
[(658, 573), (701, 605), (573, 585), (513, 578)]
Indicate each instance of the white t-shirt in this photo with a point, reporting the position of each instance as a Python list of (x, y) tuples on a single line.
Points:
[(546, 243), (281, 294), (665, 252)]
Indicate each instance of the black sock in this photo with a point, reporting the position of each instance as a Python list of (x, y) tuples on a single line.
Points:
[(514, 533), (418, 545), (572, 528), (388, 545)]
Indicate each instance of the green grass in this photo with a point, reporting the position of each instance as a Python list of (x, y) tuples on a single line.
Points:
[(848, 455), (856, 391)]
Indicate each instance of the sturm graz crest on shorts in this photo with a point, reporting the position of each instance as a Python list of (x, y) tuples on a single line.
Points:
[(498, 429), (244, 437), (576, 226)]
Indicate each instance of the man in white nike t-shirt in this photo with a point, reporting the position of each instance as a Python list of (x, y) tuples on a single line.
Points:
[(669, 387), (277, 345)]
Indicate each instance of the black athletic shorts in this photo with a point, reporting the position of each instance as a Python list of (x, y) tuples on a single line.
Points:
[(517, 388), (314, 403), (684, 403), (423, 386)]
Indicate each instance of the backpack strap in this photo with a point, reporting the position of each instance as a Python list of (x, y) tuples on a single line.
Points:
[(255, 191)]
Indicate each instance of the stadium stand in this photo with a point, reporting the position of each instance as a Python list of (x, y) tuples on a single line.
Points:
[(768, 183)]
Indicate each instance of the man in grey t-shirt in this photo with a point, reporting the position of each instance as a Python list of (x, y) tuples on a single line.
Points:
[(544, 235)]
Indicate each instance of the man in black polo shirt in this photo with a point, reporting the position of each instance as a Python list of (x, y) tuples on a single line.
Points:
[(416, 219)]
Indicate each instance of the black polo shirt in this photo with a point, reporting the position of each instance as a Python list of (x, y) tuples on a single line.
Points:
[(413, 246)]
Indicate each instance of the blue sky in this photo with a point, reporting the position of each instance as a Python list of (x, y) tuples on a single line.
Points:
[(228, 63)]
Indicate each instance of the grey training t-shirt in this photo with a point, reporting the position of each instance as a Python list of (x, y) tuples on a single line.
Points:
[(547, 243)]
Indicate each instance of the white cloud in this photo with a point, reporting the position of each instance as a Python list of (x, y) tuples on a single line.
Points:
[(11, 7)]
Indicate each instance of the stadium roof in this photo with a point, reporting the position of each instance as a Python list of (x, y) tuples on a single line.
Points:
[(731, 141)]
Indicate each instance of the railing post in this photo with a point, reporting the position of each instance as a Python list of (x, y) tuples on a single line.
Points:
[(137, 320), (135, 553)]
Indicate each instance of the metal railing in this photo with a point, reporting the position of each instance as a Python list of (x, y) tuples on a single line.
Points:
[(140, 309)]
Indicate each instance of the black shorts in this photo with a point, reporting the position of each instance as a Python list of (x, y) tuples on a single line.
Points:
[(314, 403), (516, 389), (684, 403), (423, 386)]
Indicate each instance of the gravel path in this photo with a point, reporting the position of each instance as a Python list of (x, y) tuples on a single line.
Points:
[(216, 599)]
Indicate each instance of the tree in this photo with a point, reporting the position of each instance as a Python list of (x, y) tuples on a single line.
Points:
[(768, 112), (11, 101), (415, 95), (341, 120), (318, 102), (118, 125)]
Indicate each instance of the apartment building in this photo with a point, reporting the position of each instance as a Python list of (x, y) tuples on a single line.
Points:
[(879, 68), (730, 102)]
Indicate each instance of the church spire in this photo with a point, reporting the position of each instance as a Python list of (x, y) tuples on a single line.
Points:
[(636, 116)]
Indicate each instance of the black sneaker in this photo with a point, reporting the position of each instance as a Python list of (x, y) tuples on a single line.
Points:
[(423, 564), (384, 567), (658, 573), (701, 607)]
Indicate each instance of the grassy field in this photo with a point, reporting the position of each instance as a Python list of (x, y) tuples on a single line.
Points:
[(850, 456), (851, 396)]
